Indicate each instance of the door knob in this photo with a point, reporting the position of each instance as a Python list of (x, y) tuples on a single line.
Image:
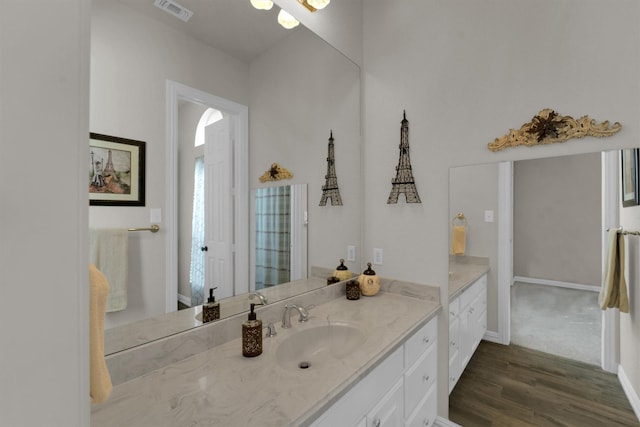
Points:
[(204, 248)]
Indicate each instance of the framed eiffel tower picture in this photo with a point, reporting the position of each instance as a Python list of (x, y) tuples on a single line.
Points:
[(404, 183), (116, 171)]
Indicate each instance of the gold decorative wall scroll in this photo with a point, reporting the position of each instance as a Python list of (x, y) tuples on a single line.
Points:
[(548, 127), (275, 173)]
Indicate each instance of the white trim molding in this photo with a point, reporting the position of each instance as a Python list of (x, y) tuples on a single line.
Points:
[(184, 300), (556, 283), (492, 336), (443, 422), (634, 400), (505, 250)]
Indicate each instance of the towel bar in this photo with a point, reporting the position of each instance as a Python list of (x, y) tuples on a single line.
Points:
[(622, 231), (154, 228)]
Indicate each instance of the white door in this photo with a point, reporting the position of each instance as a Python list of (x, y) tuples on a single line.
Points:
[(218, 189)]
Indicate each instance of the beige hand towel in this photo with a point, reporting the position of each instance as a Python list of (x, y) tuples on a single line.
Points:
[(613, 293), (459, 239), (100, 378)]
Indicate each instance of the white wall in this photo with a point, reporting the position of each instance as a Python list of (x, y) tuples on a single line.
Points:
[(128, 100), (472, 190), (557, 224), (44, 130), (466, 72)]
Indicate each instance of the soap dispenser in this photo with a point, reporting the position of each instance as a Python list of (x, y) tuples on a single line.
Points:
[(369, 282), (252, 335), (211, 310), (342, 272)]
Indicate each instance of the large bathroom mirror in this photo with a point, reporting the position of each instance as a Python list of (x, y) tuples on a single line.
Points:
[(298, 90)]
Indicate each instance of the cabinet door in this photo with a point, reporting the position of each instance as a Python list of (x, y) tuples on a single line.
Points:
[(389, 411), (466, 337)]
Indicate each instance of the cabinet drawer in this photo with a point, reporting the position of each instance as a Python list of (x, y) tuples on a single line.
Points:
[(419, 378), (454, 308), (426, 413), (473, 291), (420, 341), (388, 412), (454, 370)]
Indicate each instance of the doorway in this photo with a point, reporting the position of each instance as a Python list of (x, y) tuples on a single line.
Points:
[(177, 93), (609, 170)]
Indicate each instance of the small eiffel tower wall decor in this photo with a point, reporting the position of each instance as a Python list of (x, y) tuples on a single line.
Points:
[(330, 189), (404, 182)]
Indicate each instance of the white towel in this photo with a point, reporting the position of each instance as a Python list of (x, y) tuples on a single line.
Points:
[(108, 250), (613, 293)]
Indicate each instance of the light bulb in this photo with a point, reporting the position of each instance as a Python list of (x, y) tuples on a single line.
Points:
[(319, 4), (286, 20), (262, 4)]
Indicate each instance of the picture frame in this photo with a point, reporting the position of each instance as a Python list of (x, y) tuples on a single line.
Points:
[(116, 171), (629, 171)]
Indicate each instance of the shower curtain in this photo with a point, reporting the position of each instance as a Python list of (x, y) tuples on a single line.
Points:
[(196, 271), (273, 236)]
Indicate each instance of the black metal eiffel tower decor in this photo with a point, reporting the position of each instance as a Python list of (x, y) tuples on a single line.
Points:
[(330, 189), (404, 182)]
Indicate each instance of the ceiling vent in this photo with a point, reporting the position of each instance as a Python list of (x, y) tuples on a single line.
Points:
[(174, 8)]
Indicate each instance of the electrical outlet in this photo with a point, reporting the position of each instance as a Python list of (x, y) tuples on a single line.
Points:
[(377, 256), (351, 253)]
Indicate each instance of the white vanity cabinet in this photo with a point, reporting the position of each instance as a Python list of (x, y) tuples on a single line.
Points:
[(467, 326), (400, 391)]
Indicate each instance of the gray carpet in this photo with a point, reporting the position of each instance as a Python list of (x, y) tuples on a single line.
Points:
[(564, 322)]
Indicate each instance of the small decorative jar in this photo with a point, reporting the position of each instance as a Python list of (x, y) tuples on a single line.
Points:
[(353, 290), (369, 282), (342, 272), (331, 280)]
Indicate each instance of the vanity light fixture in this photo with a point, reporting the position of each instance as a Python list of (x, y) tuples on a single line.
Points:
[(286, 20), (262, 4), (317, 4)]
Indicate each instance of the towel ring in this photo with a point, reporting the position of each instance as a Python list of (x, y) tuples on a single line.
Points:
[(459, 217)]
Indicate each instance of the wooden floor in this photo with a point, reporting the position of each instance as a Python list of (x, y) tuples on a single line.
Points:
[(516, 386)]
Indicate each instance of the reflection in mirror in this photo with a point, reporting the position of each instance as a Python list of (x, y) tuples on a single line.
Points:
[(289, 122), (280, 237)]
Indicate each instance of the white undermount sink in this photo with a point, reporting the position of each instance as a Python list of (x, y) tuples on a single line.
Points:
[(313, 347)]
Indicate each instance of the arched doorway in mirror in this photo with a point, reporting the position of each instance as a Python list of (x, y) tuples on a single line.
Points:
[(199, 248)]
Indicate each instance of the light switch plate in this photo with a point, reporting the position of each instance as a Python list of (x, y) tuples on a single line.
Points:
[(488, 216), (377, 256), (155, 215), (351, 253)]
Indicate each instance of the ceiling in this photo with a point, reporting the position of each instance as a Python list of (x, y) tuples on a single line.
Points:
[(232, 26)]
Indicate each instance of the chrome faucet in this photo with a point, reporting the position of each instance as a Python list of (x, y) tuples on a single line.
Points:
[(261, 297), (286, 315)]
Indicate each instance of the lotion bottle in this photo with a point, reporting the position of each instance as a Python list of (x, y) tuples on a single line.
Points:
[(211, 310), (252, 335)]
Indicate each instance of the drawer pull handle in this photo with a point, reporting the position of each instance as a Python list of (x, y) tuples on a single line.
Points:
[(453, 343), (425, 377), (426, 422), (376, 422), (426, 340)]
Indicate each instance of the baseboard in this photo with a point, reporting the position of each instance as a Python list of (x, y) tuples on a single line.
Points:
[(443, 422), (492, 336), (557, 283), (629, 391), (184, 300)]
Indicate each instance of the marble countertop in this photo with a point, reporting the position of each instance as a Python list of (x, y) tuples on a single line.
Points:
[(463, 271), (220, 387)]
